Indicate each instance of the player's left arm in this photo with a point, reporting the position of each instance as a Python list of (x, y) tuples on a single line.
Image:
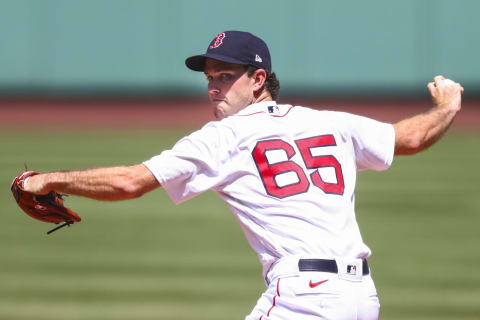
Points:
[(107, 184), (419, 132)]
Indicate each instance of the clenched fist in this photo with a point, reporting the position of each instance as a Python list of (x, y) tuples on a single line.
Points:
[(446, 93)]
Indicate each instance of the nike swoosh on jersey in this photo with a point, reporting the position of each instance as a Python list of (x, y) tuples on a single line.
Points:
[(314, 284)]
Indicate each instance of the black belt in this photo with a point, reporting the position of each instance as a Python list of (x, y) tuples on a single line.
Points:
[(326, 266)]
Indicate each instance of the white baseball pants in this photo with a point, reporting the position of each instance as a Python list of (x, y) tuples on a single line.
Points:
[(294, 295)]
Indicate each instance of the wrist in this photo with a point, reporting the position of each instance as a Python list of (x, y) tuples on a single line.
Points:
[(450, 106)]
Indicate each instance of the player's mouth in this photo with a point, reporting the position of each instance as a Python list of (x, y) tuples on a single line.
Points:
[(218, 102)]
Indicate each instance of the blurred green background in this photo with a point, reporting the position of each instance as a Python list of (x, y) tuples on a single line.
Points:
[(73, 47), (149, 259)]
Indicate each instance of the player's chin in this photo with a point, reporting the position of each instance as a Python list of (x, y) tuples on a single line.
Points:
[(219, 114), (219, 110)]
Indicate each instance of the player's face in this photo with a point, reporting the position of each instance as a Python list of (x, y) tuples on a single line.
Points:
[(229, 87)]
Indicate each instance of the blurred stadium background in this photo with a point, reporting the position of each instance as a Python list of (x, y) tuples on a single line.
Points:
[(102, 82)]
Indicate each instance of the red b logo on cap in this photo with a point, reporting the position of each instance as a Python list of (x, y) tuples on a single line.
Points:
[(218, 40)]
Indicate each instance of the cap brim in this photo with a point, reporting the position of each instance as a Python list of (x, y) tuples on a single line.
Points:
[(197, 63)]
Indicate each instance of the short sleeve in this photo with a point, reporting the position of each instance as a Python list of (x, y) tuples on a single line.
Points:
[(195, 164), (373, 142)]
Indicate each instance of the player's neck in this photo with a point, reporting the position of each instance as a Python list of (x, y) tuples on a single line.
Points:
[(263, 96)]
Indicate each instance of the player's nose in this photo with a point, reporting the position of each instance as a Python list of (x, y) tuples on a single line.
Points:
[(213, 90)]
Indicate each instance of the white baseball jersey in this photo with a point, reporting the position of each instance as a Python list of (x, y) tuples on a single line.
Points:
[(287, 172)]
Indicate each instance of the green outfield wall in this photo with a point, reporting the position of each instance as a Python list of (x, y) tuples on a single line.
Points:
[(323, 47)]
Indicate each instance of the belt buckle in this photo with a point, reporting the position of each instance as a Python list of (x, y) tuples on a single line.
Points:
[(350, 269)]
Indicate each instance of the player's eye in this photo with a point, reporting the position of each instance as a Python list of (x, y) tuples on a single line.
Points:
[(225, 77)]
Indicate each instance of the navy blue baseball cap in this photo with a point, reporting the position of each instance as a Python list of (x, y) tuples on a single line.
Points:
[(237, 47)]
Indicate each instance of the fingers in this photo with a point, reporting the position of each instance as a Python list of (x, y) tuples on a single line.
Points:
[(438, 79), (431, 87), (442, 81), (23, 183), (445, 92)]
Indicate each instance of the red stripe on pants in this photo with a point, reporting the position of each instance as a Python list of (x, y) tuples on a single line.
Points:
[(274, 300)]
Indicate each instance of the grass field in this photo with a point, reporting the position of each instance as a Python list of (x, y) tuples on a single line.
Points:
[(149, 259)]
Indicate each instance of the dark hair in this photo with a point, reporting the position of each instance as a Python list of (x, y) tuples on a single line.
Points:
[(272, 84)]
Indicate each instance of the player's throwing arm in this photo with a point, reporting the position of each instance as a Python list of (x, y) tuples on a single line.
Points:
[(421, 131)]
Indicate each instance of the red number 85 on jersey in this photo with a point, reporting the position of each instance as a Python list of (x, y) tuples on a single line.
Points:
[(269, 172)]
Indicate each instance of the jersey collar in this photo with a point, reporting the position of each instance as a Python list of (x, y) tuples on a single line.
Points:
[(268, 107)]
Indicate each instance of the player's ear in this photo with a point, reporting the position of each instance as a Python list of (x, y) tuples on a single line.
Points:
[(259, 77)]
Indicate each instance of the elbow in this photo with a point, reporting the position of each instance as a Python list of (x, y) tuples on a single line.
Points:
[(133, 182), (416, 142), (131, 191), (410, 144), (130, 188)]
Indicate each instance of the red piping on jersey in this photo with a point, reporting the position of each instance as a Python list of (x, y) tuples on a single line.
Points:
[(274, 300), (285, 112), (251, 114)]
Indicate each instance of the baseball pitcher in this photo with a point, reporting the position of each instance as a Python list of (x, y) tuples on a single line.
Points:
[(287, 172)]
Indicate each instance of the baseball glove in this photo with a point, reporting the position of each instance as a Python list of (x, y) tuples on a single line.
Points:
[(46, 208)]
